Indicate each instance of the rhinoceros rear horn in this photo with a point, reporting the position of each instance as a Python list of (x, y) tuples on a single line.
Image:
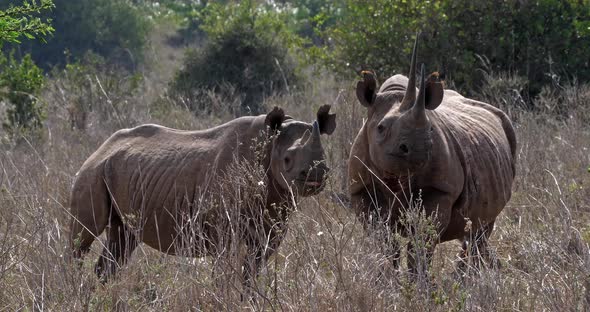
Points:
[(410, 95), (275, 118)]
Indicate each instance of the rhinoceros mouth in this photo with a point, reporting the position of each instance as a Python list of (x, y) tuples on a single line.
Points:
[(397, 183), (311, 183), (393, 175), (400, 170), (309, 187)]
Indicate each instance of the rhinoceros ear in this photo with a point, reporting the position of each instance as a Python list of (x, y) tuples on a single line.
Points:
[(366, 89), (275, 118), (327, 121), (434, 91)]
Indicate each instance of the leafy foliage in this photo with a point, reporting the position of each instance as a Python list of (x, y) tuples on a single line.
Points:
[(18, 21), (192, 16), (114, 29), (20, 83), (533, 39), (536, 39), (308, 18), (247, 52)]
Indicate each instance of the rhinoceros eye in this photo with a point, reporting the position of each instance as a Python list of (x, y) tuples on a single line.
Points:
[(287, 160), (380, 128)]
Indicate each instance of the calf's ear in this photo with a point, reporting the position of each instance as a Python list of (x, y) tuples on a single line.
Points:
[(274, 118), (326, 121), (434, 91), (366, 89)]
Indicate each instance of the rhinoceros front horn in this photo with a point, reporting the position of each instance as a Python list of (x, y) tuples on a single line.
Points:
[(410, 95)]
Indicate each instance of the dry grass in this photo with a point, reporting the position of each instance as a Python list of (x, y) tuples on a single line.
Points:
[(327, 261)]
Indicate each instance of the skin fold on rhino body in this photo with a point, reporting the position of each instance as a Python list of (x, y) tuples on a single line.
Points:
[(456, 154), (155, 185)]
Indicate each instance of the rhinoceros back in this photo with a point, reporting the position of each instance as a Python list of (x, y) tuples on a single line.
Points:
[(154, 175), (485, 143)]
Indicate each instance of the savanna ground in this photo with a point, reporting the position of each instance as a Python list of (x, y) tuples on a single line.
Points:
[(327, 261)]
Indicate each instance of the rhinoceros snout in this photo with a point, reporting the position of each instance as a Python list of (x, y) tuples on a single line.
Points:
[(316, 173)]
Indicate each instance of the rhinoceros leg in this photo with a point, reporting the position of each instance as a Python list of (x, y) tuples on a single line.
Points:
[(118, 248), (89, 213), (259, 249), (370, 205), (375, 214), (437, 205), (475, 247)]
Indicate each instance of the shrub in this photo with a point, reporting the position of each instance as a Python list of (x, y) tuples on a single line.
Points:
[(18, 21), (113, 29), (308, 18), (532, 39), (190, 15), (247, 49), (375, 35), (20, 82)]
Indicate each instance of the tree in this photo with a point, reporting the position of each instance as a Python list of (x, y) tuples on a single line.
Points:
[(540, 40), (113, 29), (22, 81), (19, 21), (246, 54)]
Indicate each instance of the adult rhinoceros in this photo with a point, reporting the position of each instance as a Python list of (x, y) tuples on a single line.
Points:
[(456, 154), (165, 187)]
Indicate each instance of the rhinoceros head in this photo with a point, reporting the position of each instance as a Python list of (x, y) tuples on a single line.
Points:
[(297, 156), (398, 129)]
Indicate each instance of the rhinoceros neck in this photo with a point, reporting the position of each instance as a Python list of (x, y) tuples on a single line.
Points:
[(276, 194), (278, 202)]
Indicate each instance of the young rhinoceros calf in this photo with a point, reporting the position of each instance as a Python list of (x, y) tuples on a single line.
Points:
[(456, 154), (162, 186)]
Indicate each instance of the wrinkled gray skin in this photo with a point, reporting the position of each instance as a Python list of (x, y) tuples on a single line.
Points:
[(457, 152), (144, 183)]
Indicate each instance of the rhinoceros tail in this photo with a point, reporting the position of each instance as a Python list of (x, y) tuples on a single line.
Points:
[(510, 136)]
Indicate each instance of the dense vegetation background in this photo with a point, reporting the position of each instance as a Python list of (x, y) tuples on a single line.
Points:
[(251, 50), (73, 72)]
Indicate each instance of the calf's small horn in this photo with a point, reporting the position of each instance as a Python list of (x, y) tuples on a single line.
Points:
[(315, 134)]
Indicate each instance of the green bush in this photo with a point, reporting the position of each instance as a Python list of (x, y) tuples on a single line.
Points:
[(190, 14), (532, 39), (114, 29), (19, 21), (20, 83), (371, 35), (246, 53), (308, 18)]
